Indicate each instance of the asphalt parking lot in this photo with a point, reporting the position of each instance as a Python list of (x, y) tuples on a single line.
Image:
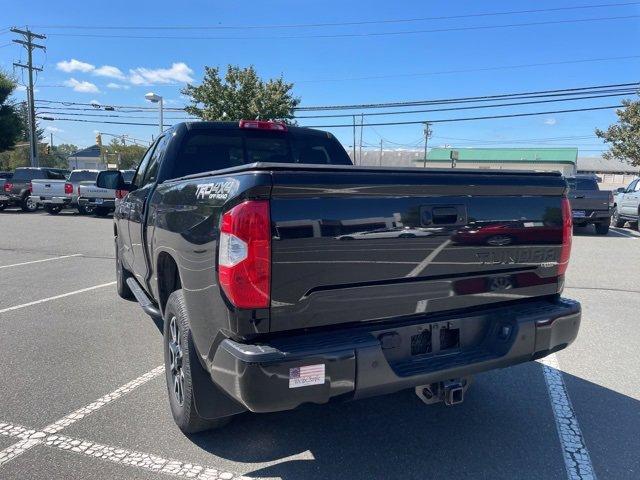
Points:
[(83, 396)]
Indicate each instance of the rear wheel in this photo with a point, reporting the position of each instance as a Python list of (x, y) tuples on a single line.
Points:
[(602, 228), (28, 204), (616, 221), (101, 212), (85, 209), (52, 210), (180, 360)]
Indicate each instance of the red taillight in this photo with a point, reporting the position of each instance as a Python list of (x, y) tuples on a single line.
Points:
[(244, 258), (8, 187), (68, 189), (120, 194), (567, 233), (263, 125), (30, 187)]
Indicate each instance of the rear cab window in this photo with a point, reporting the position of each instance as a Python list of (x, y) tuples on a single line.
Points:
[(204, 150), (583, 184), (83, 177)]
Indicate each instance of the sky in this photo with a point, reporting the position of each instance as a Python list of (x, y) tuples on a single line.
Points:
[(390, 51)]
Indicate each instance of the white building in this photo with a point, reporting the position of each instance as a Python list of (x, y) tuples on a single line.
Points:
[(88, 158)]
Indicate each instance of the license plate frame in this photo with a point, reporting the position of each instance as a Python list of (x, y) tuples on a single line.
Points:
[(579, 214), (98, 201)]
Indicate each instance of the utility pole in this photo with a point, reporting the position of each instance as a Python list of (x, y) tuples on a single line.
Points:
[(427, 135), (361, 126), (29, 46), (380, 159), (354, 140)]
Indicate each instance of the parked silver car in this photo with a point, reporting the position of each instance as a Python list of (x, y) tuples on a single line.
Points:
[(627, 205), (54, 195)]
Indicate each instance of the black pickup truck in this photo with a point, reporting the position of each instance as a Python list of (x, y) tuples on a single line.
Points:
[(247, 242)]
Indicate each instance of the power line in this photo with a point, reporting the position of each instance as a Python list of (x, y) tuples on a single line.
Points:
[(118, 114), (347, 35), (333, 24), (473, 107), (543, 93), (473, 118), (370, 124)]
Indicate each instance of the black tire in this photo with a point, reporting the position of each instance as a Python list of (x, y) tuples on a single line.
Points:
[(180, 358), (85, 210), (616, 221), (602, 228), (101, 212), (52, 210), (121, 278), (28, 205)]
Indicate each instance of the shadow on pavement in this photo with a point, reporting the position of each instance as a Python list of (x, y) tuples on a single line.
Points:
[(505, 429)]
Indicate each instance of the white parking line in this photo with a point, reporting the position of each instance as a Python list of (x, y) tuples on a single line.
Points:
[(56, 297), (428, 259), (576, 456), (624, 233), (40, 261), (123, 456), (31, 438)]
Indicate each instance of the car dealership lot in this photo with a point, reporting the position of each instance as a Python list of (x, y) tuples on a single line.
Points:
[(82, 396)]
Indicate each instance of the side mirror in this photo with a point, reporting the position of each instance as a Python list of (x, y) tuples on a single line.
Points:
[(111, 179), (621, 190)]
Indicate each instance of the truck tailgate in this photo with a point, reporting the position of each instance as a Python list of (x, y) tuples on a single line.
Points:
[(47, 188), (361, 245), (589, 200)]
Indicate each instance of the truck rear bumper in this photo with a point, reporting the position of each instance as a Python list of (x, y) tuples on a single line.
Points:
[(63, 201), (592, 216), (371, 360), (91, 202)]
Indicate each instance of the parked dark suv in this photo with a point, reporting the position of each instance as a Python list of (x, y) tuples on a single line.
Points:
[(17, 190)]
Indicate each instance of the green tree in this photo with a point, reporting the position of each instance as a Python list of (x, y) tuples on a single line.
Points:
[(623, 137), (11, 128), (130, 155), (240, 95)]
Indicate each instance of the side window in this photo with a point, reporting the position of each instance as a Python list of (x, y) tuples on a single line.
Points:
[(632, 186), (151, 173), (137, 179), (637, 189)]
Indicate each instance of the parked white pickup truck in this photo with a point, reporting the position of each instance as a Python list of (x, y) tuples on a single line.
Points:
[(54, 195), (100, 201)]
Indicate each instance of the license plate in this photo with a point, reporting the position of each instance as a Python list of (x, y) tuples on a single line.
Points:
[(98, 201), (579, 213)]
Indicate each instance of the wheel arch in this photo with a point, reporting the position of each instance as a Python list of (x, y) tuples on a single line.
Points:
[(168, 277)]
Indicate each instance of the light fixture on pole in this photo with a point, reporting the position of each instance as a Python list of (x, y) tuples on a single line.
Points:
[(153, 98)]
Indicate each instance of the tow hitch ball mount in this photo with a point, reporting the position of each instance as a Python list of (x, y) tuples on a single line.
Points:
[(451, 392)]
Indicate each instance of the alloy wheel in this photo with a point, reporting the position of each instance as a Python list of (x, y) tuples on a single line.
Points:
[(176, 355)]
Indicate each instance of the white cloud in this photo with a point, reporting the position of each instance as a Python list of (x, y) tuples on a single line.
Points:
[(118, 86), (550, 121), (21, 88), (50, 128), (74, 65), (83, 87), (178, 73), (109, 71)]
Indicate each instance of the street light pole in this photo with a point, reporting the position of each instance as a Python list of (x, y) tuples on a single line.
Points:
[(153, 98)]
